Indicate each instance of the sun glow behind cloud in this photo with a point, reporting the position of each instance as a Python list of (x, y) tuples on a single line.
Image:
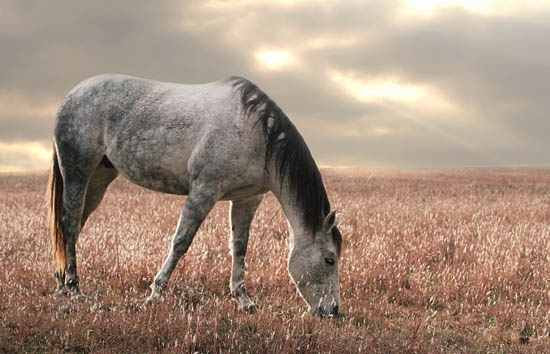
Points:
[(391, 88), (275, 59), (379, 89)]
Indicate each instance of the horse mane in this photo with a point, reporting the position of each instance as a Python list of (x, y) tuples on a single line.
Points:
[(292, 156)]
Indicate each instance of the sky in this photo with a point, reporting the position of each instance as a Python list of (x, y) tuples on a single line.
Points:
[(391, 84)]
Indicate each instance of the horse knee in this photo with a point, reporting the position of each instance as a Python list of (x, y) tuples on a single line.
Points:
[(238, 247), (181, 244)]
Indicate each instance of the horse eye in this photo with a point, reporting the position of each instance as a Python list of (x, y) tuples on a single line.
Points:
[(330, 261)]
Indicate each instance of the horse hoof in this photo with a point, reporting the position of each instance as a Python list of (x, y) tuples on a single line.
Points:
[(245, 304), (60, 292), (153, 299)]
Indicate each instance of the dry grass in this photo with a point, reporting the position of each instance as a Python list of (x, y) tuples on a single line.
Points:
[(450, 262)]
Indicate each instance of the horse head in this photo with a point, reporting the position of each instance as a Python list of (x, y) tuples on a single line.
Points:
[(313, 266)]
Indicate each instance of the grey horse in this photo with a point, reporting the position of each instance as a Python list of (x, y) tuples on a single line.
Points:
[(224, 140)]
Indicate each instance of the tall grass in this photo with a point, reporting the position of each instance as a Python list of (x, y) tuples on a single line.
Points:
[(433, 262)]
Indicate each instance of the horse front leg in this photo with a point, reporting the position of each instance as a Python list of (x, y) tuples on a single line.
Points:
[(241, 215), (198, 204)]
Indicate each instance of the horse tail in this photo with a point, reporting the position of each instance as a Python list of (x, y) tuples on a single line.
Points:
[(55, 195)]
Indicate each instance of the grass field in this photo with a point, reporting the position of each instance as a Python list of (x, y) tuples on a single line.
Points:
[(433, 262)]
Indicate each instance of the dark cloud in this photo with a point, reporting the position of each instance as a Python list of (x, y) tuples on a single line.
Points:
[(59, 43), (492, 69), (25, 129)]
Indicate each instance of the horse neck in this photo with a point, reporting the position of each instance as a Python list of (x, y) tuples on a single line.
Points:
[(297, 230)]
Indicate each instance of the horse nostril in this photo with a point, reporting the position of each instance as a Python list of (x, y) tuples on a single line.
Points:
[(335, 310)]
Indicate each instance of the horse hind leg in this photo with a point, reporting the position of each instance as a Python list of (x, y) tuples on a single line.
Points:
[(100, 179), (73, 201), (241, 214), (76, 177)]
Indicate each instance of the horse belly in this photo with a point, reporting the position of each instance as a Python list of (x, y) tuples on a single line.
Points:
[(245, 192), (153, 172)]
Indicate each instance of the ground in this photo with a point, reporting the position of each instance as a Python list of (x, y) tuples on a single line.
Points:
[(453, 261)]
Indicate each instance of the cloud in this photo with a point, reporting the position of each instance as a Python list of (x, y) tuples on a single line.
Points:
[(416, 83), (24, 157), (430, 8), (24, 117)]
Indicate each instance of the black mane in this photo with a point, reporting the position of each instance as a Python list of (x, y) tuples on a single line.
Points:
[(292, 156)]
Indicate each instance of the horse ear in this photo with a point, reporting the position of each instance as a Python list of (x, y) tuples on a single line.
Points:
[(337, 219), (331, 220)]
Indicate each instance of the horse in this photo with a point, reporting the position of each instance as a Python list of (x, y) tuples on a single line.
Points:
[(223, 140)]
